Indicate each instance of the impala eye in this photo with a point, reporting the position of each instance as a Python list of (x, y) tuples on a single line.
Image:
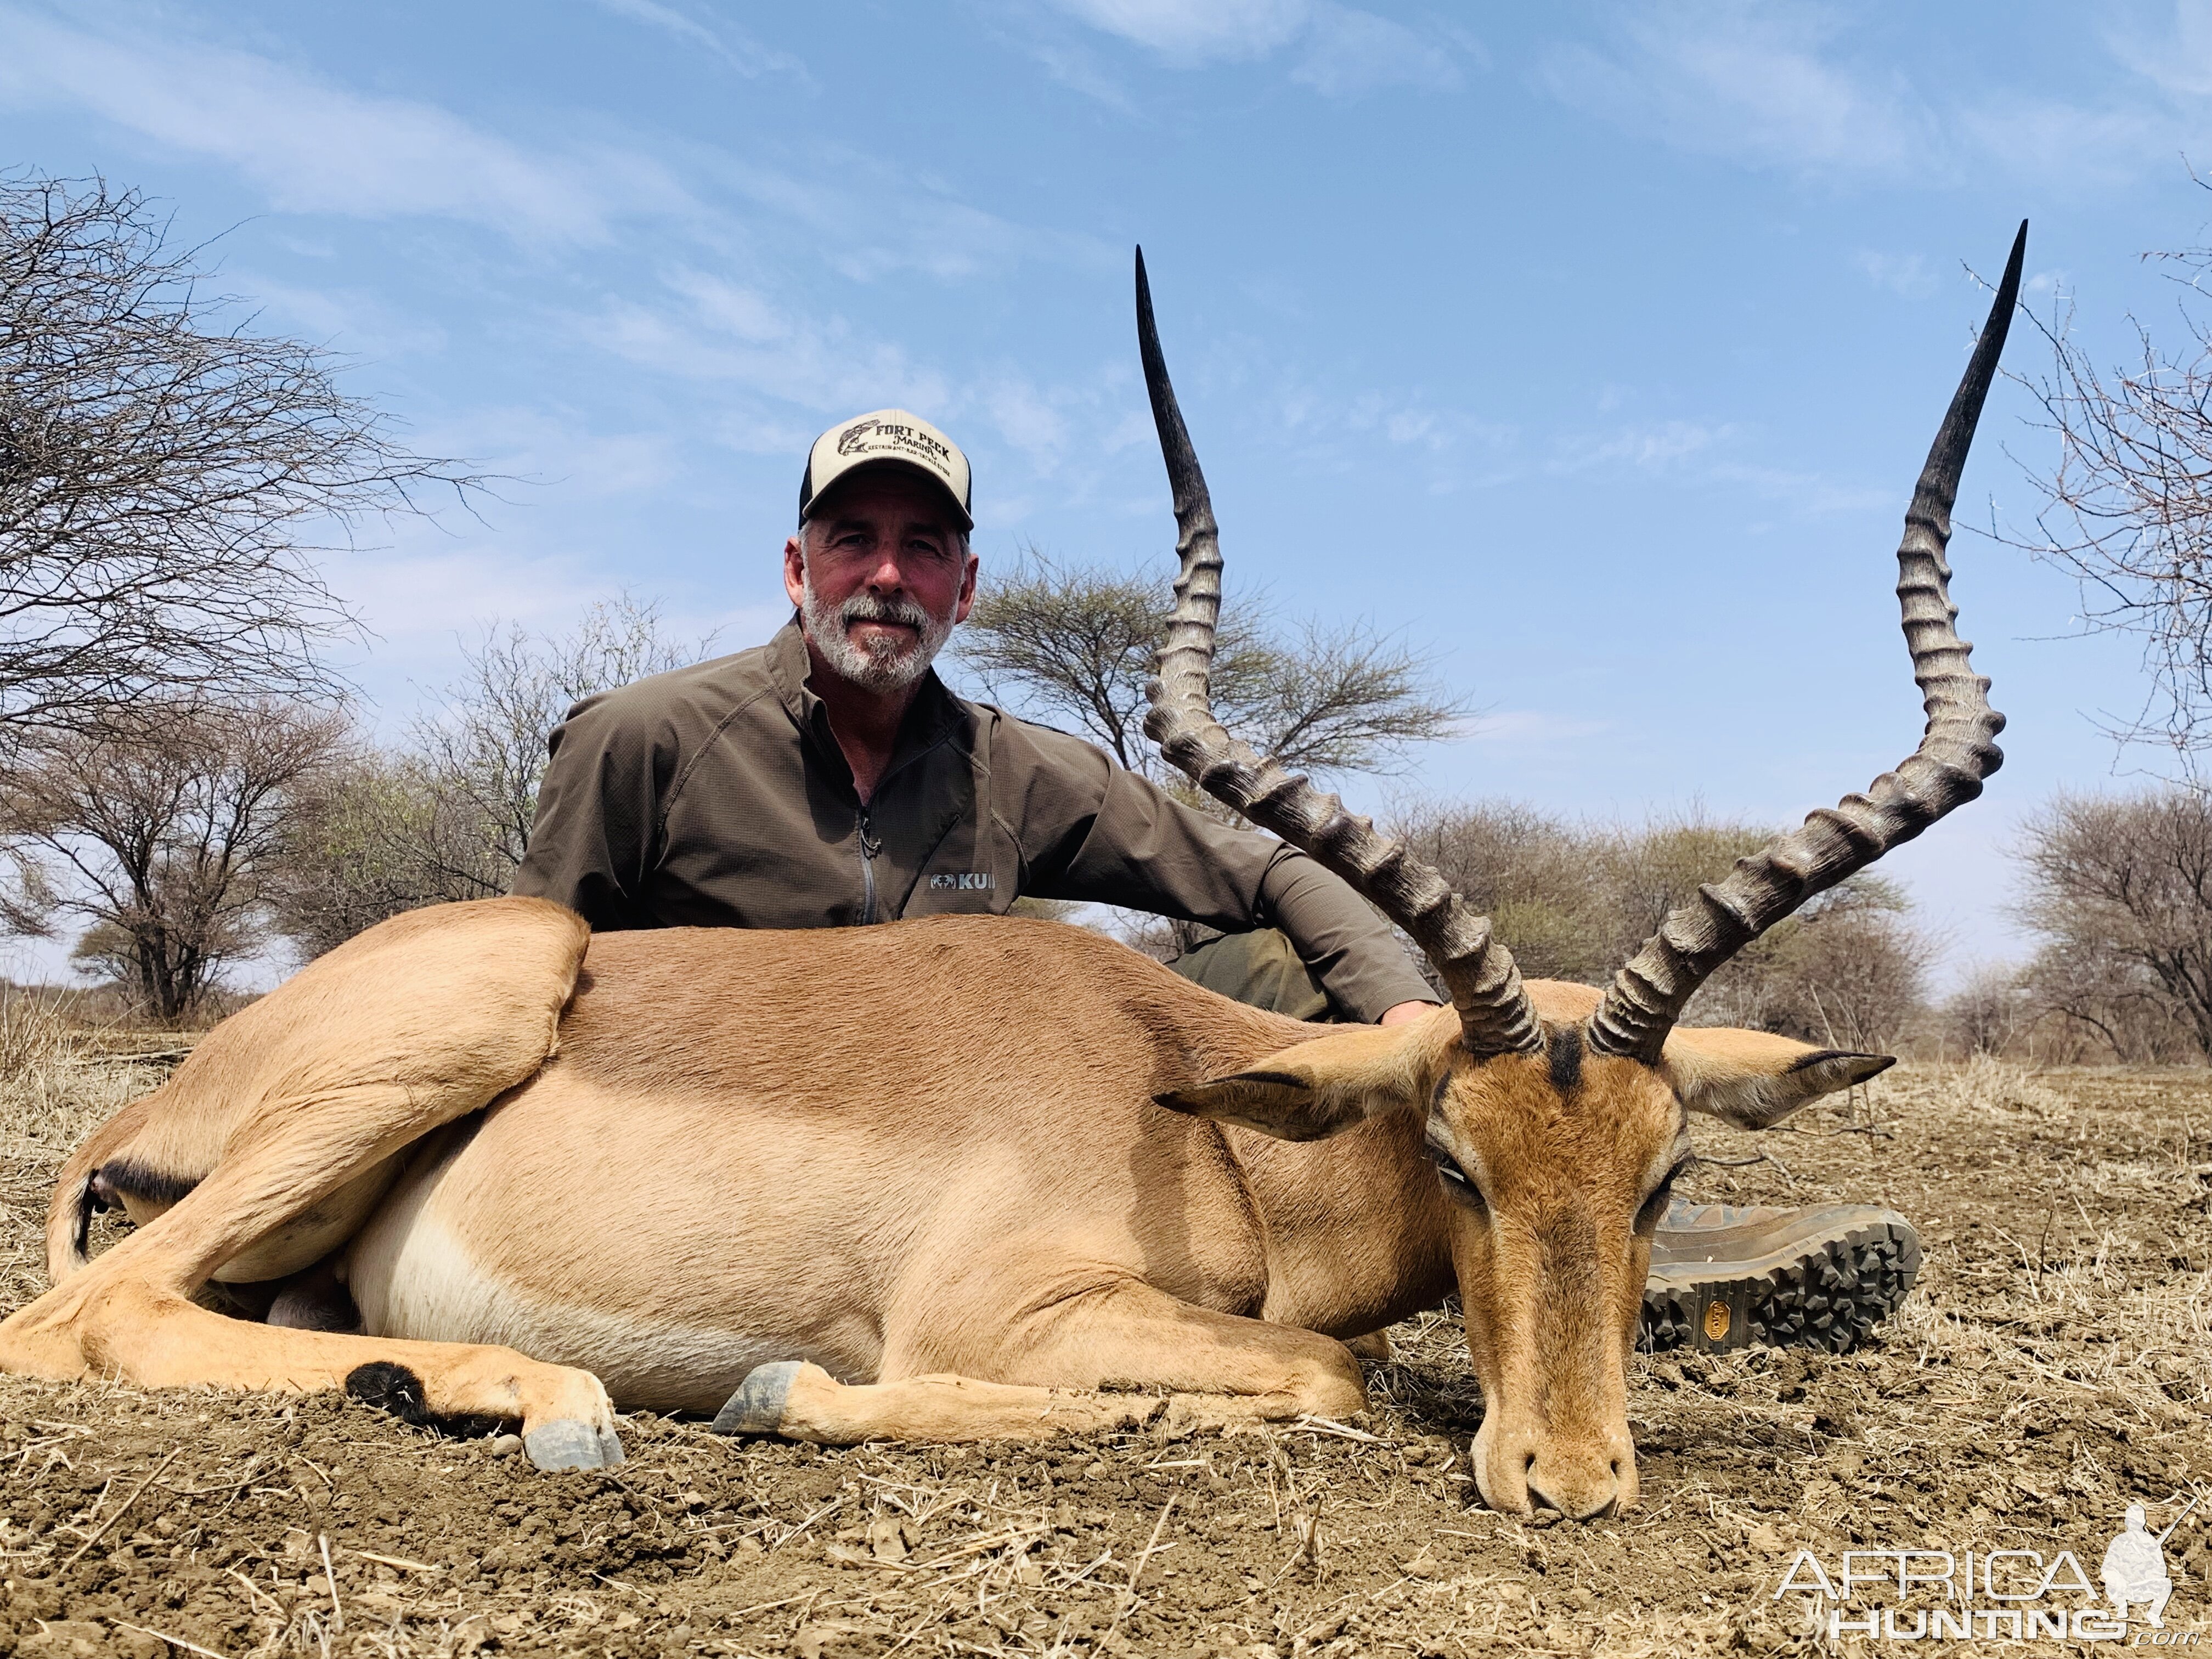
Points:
[(1456, 1182), (1654, 1207)]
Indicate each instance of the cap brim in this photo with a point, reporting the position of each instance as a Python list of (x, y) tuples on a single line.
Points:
[(887, 462)]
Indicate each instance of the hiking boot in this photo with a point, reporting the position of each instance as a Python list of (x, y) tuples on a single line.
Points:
[(1724, 1276)]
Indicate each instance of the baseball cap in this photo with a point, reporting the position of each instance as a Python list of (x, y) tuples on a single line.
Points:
[(889, 437)]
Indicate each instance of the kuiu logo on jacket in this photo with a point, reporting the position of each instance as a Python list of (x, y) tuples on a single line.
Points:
[(964, 881)]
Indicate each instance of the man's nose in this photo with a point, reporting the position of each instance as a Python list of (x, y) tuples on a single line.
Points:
[(887, 575)]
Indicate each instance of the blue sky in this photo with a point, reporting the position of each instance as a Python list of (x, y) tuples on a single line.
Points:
[(1595, 346)]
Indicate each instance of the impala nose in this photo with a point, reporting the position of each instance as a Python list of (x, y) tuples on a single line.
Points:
[(1578, 1489)]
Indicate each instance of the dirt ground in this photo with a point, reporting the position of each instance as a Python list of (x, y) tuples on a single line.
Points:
[(2052, 1367)]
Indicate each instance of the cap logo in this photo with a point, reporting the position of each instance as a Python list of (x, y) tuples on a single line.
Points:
[(864, 437)]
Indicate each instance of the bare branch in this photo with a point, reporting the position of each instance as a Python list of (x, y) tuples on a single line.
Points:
[(2127, 507), (165, 472), (448, 816)]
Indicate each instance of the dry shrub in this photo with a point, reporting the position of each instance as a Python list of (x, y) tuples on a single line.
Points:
[(1574, 902), (1986, 1083)]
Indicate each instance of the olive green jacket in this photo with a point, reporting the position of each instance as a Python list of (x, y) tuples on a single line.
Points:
[(716, 796)]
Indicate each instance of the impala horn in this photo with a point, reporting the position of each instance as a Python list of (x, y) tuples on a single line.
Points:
[(1957, 752), (1494, 1012)]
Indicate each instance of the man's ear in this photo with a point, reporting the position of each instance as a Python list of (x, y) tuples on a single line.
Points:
[(1323, 1087), (794, 570), (1754, 1079)]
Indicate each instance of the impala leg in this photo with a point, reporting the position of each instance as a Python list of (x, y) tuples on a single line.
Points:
[(361, 1054), (128, 1316), (1125, 1356), (124, 1327)]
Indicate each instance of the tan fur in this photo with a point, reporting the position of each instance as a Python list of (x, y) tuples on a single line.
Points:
[(926, 1159), (416, 1022)]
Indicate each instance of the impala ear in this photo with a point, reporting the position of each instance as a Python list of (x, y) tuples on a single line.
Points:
[(1323, 1087), (1754, 1079)]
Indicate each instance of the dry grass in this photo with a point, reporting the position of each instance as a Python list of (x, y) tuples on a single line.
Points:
[(2054, 1367), (58, 1081)]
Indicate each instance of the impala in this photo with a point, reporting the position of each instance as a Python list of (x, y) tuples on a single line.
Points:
[(971, 1177)]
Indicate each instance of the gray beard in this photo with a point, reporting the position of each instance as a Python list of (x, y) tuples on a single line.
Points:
[(884, 665)]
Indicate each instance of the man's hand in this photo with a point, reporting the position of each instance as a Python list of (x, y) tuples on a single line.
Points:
[(1406, 1011)]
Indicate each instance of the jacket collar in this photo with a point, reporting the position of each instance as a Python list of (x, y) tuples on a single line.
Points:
[(934, 714)]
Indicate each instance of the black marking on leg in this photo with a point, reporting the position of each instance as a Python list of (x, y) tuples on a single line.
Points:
[(394, 1388), (122, 1177), (390, 1388), (81, 1236)]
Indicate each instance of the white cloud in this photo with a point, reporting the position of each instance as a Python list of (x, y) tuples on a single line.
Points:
[(2178, 58), (1698, 452), (349, 320), (435, 587), (1654, 448), (1188, 33), (2044, 138), (1734, 78), (1908, 275), (315, 147), (714, 329), (1776, 83), (1350, 52), (869, 218), (1344, 51), (553, 451), (1529, 726), (1077, 70), (733, 46)]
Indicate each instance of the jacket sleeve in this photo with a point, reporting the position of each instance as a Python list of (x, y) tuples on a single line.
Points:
[(594, 837), (1096, 832)]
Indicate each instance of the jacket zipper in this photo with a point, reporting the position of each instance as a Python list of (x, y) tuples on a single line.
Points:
[(869, 847)]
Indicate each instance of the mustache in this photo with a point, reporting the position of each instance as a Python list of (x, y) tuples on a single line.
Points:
[(868, 607)]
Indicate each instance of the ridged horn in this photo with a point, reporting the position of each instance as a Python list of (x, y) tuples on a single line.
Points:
[(1494, 1012), (1957, 752)]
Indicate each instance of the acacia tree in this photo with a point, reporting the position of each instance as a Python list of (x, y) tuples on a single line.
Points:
[(160, 831), (446, 814), (1076, 642), (166, 472), (2121, 887), (481, 751)]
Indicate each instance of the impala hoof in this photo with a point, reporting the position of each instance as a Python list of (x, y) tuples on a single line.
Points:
[(568, 1443), (757, 1405)]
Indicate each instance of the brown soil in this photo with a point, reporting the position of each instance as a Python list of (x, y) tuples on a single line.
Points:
[(2053, 1366)]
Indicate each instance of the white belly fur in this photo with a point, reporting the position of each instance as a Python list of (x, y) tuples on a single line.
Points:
[(411, 1278)]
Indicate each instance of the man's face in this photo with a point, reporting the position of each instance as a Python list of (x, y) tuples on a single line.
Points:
[(881, 578)]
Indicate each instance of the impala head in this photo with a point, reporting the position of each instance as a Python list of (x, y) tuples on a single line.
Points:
[(1556, 1115)]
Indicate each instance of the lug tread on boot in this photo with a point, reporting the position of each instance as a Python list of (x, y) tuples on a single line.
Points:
[(1825, 1287)]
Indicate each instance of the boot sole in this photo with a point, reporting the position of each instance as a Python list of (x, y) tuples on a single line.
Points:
[(1823, 1293)]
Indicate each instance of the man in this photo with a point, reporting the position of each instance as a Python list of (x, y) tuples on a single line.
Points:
[(830, 779)]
